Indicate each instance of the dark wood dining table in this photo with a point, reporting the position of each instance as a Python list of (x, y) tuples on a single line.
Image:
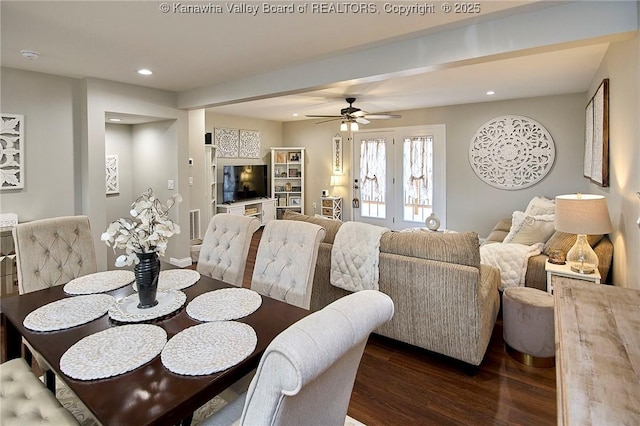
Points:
[(150, 394)]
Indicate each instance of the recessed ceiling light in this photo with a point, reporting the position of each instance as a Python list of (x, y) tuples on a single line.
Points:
[(115, 120), (295, 114), (491, 92), (30, 54), (145, 71)]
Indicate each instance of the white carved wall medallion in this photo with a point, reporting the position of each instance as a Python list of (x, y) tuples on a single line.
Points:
[(11, 151), (511, 152)]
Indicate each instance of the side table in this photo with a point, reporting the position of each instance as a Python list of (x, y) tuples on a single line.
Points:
[(563, 272)]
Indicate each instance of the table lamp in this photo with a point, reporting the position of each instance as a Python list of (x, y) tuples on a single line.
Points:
[(582, 214)]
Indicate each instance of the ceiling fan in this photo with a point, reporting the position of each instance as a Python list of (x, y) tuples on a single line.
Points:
[(352, 114)]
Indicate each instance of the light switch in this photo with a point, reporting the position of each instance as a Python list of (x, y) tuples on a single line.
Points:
[(190, 180), (170, 184)]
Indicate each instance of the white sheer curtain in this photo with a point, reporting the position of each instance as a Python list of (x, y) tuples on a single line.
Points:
[(418, 177), (373, 170)]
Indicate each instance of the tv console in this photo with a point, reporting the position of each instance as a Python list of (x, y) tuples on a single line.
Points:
[(264, 209)]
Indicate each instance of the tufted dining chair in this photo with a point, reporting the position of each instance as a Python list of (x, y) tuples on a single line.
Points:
[(306, 374), (225, 247), (286, 261), (51, 252), (24, 400)]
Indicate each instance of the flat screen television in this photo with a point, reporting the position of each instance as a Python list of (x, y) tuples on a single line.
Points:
[(245, 182)]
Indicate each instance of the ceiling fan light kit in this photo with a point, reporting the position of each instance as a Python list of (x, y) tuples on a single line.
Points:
[(351, 116)]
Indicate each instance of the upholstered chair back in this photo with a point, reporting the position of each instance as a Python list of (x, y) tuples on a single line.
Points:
[(306, 375), (225, 247), (286, 261), (52, 252)]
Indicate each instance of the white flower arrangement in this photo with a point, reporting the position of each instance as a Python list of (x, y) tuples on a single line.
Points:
[(147, 232)]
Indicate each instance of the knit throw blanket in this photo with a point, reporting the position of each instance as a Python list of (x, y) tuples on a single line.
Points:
[(355, 256)]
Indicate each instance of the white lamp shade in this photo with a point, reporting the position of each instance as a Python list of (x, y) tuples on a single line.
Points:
[(582, 214)]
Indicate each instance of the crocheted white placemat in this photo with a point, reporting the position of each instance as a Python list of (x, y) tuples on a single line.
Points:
[(113, 351), (175, 279), (224, 304), (69, 312), (126, 310), (209, 348), (99, 282)]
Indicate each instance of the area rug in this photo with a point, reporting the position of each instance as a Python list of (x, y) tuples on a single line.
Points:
[(69, 401)]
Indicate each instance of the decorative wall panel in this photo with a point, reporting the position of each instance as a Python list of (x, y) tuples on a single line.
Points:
[(112, 175), (227, 142), (511, 152), (249, 144), (11, 151)]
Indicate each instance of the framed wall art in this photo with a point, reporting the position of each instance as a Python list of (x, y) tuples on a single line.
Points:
[(249, 144), (337, 154), (112, 175), (12, 151), (227, 141), (596, 136)]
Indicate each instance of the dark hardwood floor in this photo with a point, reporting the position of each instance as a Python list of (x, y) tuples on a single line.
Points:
[(398, 384)]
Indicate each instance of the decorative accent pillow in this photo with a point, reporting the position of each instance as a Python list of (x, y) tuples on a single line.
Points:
[(528, 230), (563, 241), (539, 206)]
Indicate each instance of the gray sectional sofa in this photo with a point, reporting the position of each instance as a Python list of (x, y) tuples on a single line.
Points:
[(445, 300)]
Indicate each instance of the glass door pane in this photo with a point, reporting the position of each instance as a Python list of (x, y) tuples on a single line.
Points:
[(374, 157), (417, 182)]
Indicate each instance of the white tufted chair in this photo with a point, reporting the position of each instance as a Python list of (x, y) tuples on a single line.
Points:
[(286, 261), (306, 374), (24, 400), (52, 252), (224, 251)]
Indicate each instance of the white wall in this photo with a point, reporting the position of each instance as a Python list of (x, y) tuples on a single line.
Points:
[(621, 64), (47, 103), (471, 203), (65, 141), (118, 142), (102, 96), (270, 136)]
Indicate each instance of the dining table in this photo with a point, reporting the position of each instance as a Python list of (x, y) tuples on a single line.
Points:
[(150, 394)]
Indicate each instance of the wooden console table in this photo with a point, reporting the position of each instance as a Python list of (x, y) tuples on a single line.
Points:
[(597, 353)]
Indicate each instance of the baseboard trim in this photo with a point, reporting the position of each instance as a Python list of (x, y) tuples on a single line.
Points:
[(180, 263)]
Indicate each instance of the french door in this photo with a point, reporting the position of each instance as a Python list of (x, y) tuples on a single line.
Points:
[(401, 178)]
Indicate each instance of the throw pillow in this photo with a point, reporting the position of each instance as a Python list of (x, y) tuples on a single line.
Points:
[(540, 206), (516, 222), (535, 229), (527, 229), (563, 241)]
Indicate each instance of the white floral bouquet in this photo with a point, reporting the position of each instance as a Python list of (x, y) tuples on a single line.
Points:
[(147, 232)]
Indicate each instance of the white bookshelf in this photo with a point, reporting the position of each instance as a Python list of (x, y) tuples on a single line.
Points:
[(287, 179)]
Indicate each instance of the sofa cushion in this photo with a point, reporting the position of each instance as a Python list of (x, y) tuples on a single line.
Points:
[(499, 232), (331, 226), (451, 247)]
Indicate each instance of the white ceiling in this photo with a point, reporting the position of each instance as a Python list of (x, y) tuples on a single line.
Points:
[(186, 51)]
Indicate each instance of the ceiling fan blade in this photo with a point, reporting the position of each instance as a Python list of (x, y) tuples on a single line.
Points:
[(331, 119), (382, 116), (362, 120), (323, 116), (359, 113)]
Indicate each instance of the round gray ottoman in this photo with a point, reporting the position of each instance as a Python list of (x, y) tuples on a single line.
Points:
[(528, 329)]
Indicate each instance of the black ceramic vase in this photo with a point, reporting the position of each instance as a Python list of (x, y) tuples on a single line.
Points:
[(147, 272)]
